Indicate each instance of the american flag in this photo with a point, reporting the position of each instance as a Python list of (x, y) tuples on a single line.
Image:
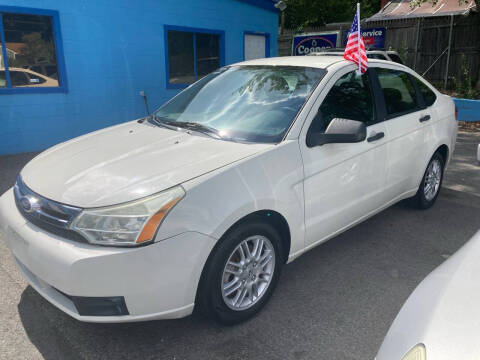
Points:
[(355, 48)]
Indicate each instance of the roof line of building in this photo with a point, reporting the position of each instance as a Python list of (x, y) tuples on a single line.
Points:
[(399, 10), (415, 16)]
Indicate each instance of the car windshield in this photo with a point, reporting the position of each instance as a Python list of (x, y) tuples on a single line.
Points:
[(243, 103)]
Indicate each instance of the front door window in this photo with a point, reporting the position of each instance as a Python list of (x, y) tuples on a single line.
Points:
[(349, 98)]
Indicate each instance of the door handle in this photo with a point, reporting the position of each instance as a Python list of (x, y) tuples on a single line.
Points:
[(424, 118), (375, 136)]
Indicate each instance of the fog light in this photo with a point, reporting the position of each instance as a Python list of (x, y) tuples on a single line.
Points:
[(100, 306)]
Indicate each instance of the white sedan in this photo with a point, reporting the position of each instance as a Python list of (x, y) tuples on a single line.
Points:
[(203, 202), (441, 318), (20, 77)]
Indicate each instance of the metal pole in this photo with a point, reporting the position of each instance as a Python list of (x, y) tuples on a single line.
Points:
[(282, 22), (358, 28), (448, 53), (417, 39)]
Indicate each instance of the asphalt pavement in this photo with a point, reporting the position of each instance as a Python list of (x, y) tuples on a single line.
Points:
[(335, 302)]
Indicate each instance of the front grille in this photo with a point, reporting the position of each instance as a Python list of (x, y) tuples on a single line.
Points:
[(48, 215)]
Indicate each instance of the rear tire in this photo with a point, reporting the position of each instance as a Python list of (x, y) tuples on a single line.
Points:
[(241, 273), (431, 183)]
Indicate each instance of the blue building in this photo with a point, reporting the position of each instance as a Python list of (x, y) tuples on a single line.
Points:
[(70, 67)]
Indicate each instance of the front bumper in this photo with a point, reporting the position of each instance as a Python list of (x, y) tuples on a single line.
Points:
[(157, 281)]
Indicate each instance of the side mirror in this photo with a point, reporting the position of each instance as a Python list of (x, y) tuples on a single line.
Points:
[(339, 131)]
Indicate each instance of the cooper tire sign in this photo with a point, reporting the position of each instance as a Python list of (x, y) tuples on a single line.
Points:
[(308, 43)]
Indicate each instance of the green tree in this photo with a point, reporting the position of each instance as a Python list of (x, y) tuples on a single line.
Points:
[(305, 13), (36, 50), (465, 87)]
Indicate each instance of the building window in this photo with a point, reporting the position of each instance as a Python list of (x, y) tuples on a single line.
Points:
[(30, 51), (191, 54), (256, 45)]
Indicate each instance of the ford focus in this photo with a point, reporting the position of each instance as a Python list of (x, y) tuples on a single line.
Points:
[(201, 204)]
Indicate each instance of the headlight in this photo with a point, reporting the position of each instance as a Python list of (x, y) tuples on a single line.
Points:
[(128, 224), (417, 353)]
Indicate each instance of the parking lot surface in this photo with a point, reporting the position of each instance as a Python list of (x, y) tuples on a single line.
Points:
[(335, 302)]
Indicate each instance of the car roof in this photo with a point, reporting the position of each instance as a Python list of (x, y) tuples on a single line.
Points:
[(27, 71), (340, 51), (321, 62)]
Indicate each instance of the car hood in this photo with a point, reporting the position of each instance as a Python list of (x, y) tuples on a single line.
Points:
[(127, 162), (443, 312)]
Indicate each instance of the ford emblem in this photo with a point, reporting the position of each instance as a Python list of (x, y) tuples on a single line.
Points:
[(28, 204)]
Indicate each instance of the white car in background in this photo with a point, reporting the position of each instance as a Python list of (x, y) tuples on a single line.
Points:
[(20, 77), (202, 203), (372, 53), (441, 318)]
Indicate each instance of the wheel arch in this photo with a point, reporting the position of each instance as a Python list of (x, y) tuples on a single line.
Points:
[(444, 151), (441, 148), (272, 217), (275, 219)]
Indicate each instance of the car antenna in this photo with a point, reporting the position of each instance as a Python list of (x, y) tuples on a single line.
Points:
[(144, 95)]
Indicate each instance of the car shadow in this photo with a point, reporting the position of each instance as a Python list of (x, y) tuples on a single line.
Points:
[(335, 302)]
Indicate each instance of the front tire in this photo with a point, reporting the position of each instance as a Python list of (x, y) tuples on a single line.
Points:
[(431, 183), (242, 273)]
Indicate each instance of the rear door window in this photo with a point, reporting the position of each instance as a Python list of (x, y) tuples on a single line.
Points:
[(398, 92), (428, 95), (396, 58), (18, 78)]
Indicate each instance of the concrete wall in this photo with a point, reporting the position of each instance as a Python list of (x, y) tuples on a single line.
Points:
[(468, 110), (113, 49)]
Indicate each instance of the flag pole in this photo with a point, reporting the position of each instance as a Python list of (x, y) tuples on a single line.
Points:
[(359, 32)]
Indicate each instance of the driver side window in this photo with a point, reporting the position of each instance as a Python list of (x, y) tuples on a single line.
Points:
[(349, 98)]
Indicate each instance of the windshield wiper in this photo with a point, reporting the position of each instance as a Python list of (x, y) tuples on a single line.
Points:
[(171, 124), (204, 129), (157, 120)]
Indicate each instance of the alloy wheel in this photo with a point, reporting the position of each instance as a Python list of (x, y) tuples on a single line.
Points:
[(432, 179), (248, 273)]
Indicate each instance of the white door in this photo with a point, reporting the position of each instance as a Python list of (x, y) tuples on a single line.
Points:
[(405, 123), (255, 46), (343, 182)]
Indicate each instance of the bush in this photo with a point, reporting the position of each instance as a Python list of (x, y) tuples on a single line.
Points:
[(465, 87)]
